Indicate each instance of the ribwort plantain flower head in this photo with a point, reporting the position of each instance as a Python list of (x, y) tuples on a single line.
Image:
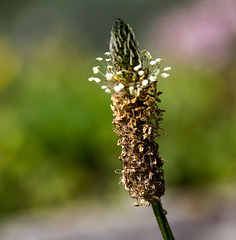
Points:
[(131, 78)]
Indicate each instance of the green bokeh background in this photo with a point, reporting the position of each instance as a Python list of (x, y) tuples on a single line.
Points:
[(56, 138)]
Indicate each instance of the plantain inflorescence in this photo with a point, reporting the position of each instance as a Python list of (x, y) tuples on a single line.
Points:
[(131, 78)]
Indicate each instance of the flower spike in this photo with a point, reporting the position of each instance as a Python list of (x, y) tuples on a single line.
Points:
[(132, 82)]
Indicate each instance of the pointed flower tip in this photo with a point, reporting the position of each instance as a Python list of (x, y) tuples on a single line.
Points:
[(123, 46), (118, 22)]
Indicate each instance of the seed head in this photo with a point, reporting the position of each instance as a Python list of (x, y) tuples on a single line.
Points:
[(132, 82)]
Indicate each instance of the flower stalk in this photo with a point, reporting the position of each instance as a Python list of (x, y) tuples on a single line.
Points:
[(132, 79), (160, 215)]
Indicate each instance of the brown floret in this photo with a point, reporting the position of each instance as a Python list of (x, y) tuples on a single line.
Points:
[(137, 120)]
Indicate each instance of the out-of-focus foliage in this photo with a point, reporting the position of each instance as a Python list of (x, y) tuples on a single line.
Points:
[(199, 37), (55, 141), (200, 121), (56, 138)]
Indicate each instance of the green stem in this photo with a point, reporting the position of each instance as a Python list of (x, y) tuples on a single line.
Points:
[(162, 220)]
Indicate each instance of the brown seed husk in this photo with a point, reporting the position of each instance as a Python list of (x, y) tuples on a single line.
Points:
[(137, 119)]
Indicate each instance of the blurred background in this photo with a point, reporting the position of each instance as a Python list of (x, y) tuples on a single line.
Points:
[(58, 153)]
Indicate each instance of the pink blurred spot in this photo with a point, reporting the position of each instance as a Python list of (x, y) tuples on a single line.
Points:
[(201, 32)]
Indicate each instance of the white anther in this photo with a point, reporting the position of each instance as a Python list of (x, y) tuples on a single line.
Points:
[(116, 88), (131, 90), (140, 73), (167, 68), (152, 63), (107, 53), (152, 78), (91, 79), (138, 91), (107, 90), (145, 82), (158, 60), (95, 70), (99, 59), (156, 72), (103, 87), (119, 73), (109, 67), (148, 55), (136, 68), (108, 59), (165, 75), (97, 80), (109, 76), (121, 85)]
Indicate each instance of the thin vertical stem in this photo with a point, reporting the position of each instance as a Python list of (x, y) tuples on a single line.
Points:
[(162, 220)]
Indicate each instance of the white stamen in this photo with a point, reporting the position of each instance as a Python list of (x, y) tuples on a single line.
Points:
[(109, 76), (116, 88), (107, 90), (121, 85), (107, 53), (109, 67), (138, 91), (143, 51), (91, 79), (119, 73), (156, 72), (108, 59), (167, 68), (148, 55), (152, 63), (103, 87), (158, 60), (95, 70), (153, 78), (140, 73), (145, 82), (99, 59), (97, 80), (136, 68), (131, 90), (165, 75)]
